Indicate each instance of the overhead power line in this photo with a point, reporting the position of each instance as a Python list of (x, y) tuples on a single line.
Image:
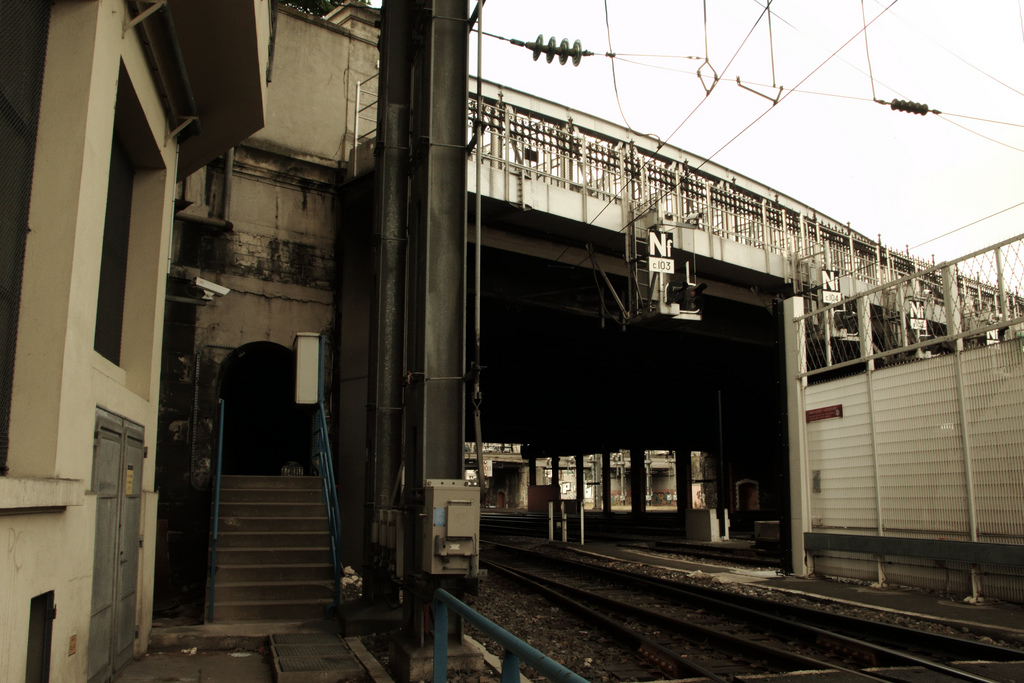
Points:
[(964, 227)]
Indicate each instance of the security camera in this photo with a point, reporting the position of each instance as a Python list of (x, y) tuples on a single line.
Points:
[(210, 288)]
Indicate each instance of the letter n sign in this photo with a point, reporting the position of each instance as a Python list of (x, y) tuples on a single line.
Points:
[(830, 293), (660, 253), (917, 319)]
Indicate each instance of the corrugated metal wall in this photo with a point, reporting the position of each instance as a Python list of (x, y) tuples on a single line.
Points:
[(907, 460)]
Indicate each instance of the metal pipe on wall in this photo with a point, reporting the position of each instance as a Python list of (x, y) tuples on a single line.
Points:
[(386, 370)]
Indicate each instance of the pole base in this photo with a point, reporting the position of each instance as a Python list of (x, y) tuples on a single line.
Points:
[(412, 662), (362, 617)]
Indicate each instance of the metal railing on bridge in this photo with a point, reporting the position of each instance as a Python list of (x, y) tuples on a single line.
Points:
[(524, 136)]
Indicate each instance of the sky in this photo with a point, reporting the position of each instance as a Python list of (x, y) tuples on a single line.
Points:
[(907, 177)]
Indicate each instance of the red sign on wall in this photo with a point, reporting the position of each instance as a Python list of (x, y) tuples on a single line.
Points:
[(826, 413)]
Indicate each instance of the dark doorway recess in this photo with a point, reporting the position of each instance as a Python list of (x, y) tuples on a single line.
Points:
[(263, 427)]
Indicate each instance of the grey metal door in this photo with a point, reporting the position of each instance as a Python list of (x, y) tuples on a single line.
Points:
[(117, 485)]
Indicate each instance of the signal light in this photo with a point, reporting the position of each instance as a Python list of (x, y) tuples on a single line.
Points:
[(689, 297)]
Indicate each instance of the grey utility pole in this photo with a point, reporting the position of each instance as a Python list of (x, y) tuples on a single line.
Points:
[(387, 327)]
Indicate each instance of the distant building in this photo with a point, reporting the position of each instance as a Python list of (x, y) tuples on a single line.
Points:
[(103, 105)]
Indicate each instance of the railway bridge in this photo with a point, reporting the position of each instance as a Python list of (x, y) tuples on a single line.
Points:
[(637, 297)]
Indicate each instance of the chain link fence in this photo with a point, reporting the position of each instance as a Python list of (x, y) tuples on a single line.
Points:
[(24, 27), (974, 301)]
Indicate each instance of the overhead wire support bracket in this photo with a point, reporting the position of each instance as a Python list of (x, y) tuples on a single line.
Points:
[(771, 45), (700, 77), (773, 100), (707, 61)]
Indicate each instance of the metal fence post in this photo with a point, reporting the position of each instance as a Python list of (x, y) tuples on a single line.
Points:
[(441, 641)]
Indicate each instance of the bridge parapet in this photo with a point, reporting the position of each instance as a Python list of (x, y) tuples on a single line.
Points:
[(619, 176)]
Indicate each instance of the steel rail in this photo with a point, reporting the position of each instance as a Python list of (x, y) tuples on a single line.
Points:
[(728, 603), (753, 559), (667, 661), (688, 630)]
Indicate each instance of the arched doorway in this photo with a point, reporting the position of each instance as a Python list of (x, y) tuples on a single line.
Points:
[(263, 427)]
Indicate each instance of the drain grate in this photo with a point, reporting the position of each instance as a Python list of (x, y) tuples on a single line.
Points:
[(337, 663), (313, 658), (303, 638), (325, 650)]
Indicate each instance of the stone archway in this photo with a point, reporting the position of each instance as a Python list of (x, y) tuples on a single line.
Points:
[(263, 427)]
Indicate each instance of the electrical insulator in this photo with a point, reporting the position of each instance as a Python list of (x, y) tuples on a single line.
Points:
[(553, 49), (911, 107)]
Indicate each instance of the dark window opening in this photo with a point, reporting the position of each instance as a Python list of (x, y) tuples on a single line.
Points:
[(24, 27), (114, 262), (40, 633)]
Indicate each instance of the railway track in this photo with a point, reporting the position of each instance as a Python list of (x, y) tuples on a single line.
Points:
[(682, 630), (619, 530)]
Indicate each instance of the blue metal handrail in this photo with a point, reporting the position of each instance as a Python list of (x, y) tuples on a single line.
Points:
[(515, 649), (216, 511), (323, 461)]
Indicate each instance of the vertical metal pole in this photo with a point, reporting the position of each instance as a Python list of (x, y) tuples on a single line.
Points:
[(1003, 304), (565, 524), (510, 667), (216, 511), (606, 481), (827, 322), (581, 491), (440, 641), (386, 371), (723, 494), (864, 330), (436, 322), (551, 520), (479, 132), (951, 294)]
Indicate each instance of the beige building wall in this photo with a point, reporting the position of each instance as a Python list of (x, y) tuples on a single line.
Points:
[(279, 257), (47, 506)]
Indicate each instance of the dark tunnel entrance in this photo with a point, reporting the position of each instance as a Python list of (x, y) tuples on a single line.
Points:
[(557, 381), (263, 427)]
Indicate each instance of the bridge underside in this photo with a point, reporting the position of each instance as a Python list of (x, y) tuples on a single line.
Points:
[(556, 377), (562, 373)]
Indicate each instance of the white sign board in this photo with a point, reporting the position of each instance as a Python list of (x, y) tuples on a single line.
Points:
[(660, 253), (830, 293), (917, 319)]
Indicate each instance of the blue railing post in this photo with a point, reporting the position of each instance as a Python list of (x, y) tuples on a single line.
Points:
[(515, 649), (440, 641), (216, 510), (510, 667), (322, 454)]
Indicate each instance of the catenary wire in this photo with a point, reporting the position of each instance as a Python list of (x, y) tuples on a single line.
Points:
[(744, 130), (661, 143), (978, 69), (964, 227)]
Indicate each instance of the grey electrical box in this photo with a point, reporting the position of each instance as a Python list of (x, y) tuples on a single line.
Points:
[(452, 530)]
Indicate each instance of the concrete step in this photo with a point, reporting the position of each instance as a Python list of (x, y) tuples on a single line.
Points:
[(270, 509), (271, 496), (273, 539), (283, 555), (240, 481), (255, 573), (270, 611), (285, 525), (273, 592)]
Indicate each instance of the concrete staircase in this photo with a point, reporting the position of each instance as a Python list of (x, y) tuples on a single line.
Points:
[(273, 550)]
